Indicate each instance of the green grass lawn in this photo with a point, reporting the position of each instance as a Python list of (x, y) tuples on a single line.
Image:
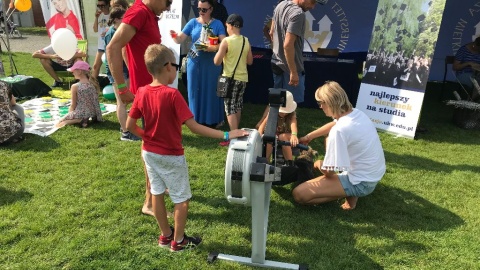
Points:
[(72, 201), (41, 31)]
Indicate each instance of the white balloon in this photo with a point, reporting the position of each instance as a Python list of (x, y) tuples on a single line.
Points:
[(64, 43)]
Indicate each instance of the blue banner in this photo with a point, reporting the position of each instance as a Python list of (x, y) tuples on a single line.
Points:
[(343, 24), (460, 25), (351, 24)]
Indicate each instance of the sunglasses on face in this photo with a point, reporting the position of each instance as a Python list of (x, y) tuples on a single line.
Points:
[(101, 6), (177, 67), (203, 10)]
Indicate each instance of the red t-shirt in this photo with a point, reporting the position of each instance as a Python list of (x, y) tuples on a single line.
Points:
[(146, 25), (164, 111), (58, 21)]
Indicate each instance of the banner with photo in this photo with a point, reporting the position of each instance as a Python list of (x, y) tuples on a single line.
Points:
[(171, 20), (62, 14), (398, 63)]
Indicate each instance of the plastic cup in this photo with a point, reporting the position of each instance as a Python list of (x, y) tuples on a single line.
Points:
[(213, 40)]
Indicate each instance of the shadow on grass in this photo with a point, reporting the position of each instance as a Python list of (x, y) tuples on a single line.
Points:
[(34, 143), (397, 209), (295, 235), (437, 118), (9, 197), (390, 208), (105, 125), (412, 162), (318, 232)]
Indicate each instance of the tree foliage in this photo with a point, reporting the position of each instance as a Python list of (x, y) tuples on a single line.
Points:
[(407, 25)]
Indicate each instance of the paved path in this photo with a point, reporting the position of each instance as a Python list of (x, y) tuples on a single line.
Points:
[(27, 43)]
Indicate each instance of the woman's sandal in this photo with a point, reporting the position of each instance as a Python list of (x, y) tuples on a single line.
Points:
[(84, 123), (18, 139)]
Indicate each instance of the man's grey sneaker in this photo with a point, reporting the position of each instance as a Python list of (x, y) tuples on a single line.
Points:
[(128, 136)]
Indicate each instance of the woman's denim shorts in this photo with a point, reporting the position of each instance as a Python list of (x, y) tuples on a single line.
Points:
[(359, 190)]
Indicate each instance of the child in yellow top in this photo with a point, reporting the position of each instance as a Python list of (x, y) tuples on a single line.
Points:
[(229, 53)]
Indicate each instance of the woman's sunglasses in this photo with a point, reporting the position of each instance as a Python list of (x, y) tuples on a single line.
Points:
[(204, 10)]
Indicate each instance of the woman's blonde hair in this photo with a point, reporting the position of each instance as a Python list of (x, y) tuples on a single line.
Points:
[(334, 97)]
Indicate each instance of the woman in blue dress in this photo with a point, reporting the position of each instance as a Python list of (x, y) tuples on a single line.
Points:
[(202, 73)]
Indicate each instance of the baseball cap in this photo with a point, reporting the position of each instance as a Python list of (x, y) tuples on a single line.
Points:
[(79, 65), (235, 20)]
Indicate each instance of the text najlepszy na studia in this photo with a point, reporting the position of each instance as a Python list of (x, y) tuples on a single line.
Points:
[(389, 104)]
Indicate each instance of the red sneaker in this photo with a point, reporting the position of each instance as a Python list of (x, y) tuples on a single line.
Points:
[(187, 243), (225, 143), (165, 241)]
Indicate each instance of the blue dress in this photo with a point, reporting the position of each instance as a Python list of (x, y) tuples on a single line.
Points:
[(202, 75)]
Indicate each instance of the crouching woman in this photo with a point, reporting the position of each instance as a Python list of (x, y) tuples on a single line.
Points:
[(354, 161)]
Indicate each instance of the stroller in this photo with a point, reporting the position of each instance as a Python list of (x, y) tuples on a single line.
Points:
[(12, 30)]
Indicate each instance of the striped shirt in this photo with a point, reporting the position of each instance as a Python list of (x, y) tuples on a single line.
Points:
[(465, 55)]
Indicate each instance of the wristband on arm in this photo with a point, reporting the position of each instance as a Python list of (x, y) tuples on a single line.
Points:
[(121, 86)]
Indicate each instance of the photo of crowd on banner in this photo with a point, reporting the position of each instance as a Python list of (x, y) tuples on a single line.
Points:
[(402, 44), (396, 69)]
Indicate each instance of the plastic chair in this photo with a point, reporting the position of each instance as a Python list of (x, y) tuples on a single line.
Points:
[(68, 76), (449, 59)]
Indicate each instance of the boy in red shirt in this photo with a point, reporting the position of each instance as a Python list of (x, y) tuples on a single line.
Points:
[(164, 111)]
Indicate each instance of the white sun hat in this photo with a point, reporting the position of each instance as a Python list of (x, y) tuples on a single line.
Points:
[(291, 104)]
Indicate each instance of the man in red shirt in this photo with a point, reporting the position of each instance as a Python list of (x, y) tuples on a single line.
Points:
[(138, 30)]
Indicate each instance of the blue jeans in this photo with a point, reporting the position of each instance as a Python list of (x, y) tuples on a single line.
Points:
[(298, 92)]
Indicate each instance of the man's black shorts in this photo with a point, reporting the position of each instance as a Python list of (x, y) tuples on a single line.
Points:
[(57, 67)]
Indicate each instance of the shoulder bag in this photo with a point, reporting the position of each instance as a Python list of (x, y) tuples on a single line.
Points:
[(225, 84)]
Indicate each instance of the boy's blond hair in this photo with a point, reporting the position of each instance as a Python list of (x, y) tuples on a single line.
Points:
[(156, 57), (334, 96)]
